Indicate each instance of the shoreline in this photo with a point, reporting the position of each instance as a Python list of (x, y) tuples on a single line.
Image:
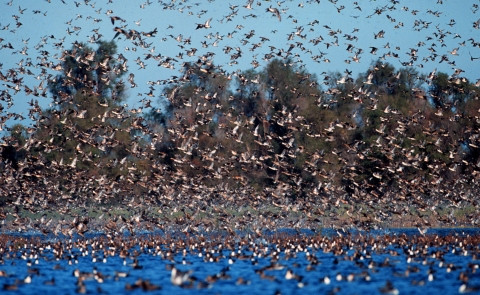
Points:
[(288, 232), (114, 221)]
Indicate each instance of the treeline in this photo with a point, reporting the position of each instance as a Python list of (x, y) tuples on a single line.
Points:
[(285, 132)]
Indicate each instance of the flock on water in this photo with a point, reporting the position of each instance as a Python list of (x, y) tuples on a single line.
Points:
[(278, 263)]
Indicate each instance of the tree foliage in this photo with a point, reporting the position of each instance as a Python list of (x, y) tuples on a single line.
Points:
[(276, 129)]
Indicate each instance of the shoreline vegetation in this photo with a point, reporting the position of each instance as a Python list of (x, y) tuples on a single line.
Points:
[(118, 221), (409, 235)]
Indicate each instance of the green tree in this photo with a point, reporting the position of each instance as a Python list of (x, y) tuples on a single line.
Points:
[(439, 90), (86, 122)]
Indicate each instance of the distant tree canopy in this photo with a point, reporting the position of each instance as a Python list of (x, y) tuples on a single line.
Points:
[(277, 129), (352, 132), (86, 126)]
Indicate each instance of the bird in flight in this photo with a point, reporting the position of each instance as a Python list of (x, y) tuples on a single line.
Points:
[(206, 25), (276, 11), (114, 18)]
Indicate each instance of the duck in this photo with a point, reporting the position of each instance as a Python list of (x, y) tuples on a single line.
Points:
[(178, 277), (389, 289)]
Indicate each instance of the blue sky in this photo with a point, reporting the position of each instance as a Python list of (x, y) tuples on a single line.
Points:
[(407, 25)]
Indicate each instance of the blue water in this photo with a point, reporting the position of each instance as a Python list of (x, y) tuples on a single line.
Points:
[(156, 269)]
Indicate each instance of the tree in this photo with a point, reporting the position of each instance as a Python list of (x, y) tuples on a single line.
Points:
[(86, 126), (248, 94), (439, 90)]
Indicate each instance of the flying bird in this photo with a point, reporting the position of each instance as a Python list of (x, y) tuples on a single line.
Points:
[(276, 11), (114, 18), (206, 25)]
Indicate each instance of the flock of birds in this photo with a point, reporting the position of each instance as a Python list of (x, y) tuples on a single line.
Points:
[(172, 200), (283, 260)]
